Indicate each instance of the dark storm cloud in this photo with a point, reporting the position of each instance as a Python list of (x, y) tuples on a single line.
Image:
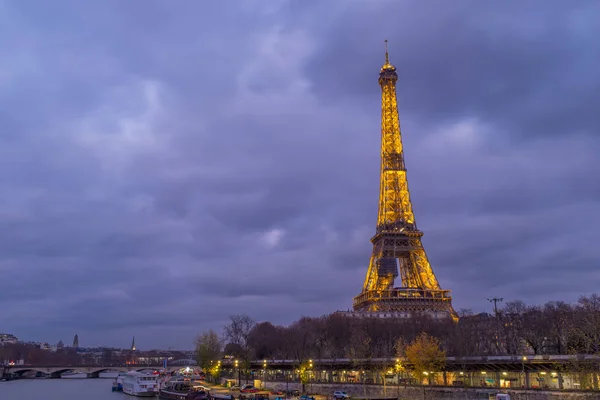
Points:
[(166, 165), (529, 68)]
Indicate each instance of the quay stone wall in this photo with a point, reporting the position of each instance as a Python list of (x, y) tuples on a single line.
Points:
[(429, 392)]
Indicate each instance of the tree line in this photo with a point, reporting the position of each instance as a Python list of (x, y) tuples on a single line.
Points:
[(515, 329)]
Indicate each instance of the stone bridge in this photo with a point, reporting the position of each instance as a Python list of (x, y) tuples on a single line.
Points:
[(90, 371)]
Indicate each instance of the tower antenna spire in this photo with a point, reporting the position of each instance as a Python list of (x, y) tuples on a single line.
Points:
[(387, 58)]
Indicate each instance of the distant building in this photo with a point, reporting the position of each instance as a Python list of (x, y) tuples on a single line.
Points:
[(7, 338), (133, 344), (391, 314), (60, 345), (76, 341), (11, 363)]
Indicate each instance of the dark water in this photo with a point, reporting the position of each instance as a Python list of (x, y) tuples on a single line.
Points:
[(60, 389), (69, 389)]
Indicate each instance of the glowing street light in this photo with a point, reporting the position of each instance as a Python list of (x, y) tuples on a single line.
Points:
[(236, 367)]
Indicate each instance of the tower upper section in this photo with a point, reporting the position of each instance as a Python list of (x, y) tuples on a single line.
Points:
[(395, 208), (388, 71)]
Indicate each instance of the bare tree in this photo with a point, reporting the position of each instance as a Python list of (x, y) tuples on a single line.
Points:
[(237, 333), (560, 317), (359, 351), (586, 329), (536, 328), (512, 326), (266, 340), (238, 330)]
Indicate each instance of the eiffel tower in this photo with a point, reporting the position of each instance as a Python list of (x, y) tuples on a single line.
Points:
[(397, 243)]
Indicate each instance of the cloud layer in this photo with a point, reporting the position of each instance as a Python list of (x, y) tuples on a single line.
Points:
[(166, 165)]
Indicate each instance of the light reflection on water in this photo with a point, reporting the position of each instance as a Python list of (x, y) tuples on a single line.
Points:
[(60, 389)]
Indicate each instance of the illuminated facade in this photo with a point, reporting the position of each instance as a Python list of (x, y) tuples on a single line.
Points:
[(397, 247)]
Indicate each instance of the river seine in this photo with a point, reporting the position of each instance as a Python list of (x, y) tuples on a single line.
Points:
[(60, 389)]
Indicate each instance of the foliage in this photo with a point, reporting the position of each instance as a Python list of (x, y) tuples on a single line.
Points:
[(305, 370), (425, 355), (208, 350)]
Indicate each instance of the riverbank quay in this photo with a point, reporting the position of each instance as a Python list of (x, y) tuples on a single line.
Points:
[(538, 372), (430, 392)]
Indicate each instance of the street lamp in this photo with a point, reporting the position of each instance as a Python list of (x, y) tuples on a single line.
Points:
[(235, 362), (264, 369), (398, 376), (523, 369), (310, 366)]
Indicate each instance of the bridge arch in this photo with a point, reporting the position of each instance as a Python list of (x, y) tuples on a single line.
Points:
[(45, 371), (21, 371), (108, 369), (95, 373)]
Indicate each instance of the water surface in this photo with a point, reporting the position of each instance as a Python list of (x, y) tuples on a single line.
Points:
[(60, 389)]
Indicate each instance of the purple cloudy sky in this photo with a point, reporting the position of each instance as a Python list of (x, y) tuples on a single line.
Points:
[(168, 163)]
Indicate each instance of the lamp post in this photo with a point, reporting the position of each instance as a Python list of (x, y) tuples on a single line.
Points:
[(398, 377), (310, 367), (218, 378), (239, 382), (264, 370), (523, 359)]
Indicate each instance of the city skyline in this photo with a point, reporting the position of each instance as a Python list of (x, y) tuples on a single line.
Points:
[(169, 165)]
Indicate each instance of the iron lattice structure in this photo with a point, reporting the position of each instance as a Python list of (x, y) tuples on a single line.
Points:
[(397, 242)]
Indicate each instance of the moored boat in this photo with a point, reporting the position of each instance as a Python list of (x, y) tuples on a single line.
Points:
[(118, 383), (140, 385), (183, 390)]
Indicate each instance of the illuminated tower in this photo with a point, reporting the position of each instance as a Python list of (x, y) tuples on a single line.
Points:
[(397, 243), (133, 344)]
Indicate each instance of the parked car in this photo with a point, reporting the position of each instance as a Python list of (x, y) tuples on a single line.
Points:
[(306, 397), (340, 395), (248, 389), (234, 388)]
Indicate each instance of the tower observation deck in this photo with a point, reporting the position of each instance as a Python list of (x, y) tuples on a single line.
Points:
[(397, 248)]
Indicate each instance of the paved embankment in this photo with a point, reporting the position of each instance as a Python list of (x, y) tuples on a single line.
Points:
[(431, 393)]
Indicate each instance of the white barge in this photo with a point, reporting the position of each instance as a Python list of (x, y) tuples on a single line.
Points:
[(140, 385)]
